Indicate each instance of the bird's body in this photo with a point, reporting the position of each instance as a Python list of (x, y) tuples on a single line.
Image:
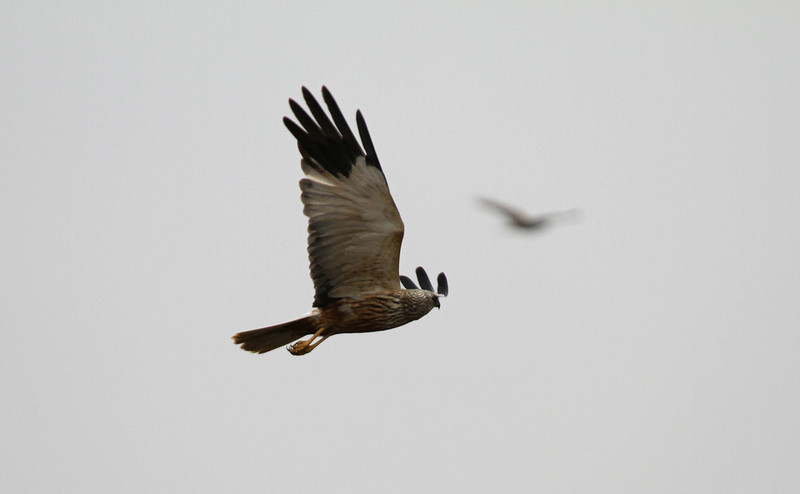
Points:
[(372, 312), (376, 312), (522, 220), (354, 238)]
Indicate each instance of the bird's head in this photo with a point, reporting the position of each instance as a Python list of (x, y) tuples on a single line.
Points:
[(425, 283)]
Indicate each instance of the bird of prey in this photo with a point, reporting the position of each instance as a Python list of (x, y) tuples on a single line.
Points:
[(354, 237), (522, 220)]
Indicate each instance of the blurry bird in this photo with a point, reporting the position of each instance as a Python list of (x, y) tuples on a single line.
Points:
[(522, 220), (354, 237)]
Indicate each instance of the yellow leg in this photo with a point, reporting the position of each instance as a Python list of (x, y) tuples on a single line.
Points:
[(305, 346)]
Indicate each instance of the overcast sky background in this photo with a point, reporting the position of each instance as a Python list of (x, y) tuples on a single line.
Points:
[(150, 209)]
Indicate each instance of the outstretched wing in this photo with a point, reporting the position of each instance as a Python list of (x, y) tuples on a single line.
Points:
[(515, 215), (354, 228)]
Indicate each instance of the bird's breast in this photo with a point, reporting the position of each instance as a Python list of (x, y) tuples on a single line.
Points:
[(373, 313)]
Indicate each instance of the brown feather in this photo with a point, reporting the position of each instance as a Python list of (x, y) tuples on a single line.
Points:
[(265, 339), (354, 237)]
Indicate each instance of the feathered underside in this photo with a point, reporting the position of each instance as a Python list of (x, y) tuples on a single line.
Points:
[(354, 228), (354, 238)]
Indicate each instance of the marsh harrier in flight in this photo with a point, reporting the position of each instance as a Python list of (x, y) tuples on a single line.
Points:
[(354, 236), (522, 220)]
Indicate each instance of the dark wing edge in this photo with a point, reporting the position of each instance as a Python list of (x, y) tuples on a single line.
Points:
[(517, 216), (329, 148), (408, 283), (325, 144)]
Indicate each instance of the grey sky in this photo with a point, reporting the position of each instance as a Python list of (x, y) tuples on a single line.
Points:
[(150, 210)]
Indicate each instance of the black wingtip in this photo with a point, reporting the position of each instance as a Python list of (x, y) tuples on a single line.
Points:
[(425, 282), (298, 133), (423, 279), (441, 282), (327, 145), (325, 92), (408, 283), (366, 140)]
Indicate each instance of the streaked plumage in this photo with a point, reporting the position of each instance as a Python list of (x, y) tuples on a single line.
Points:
[(354, 237)]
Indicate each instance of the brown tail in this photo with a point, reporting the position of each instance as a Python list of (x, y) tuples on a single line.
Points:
[(266, 339)]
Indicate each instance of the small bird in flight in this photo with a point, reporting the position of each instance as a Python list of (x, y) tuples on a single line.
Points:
[(522, 220), (354, 237)]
